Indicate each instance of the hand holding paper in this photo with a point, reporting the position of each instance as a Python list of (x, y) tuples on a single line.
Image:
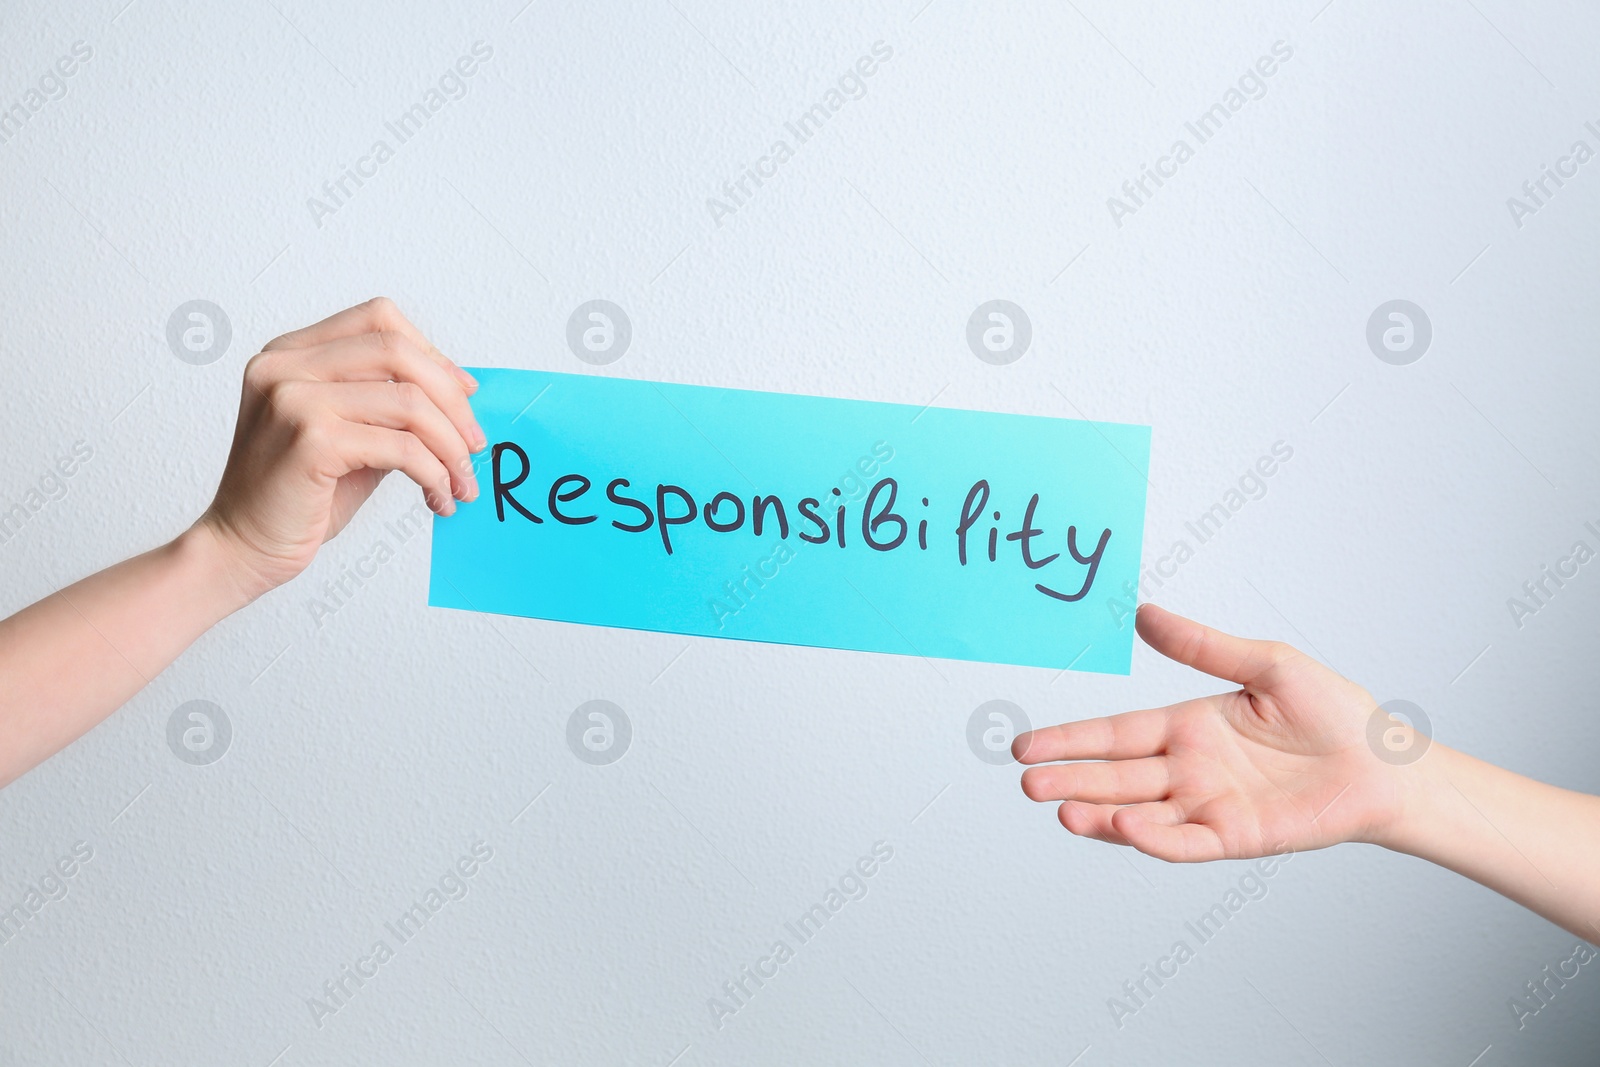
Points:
[(326, 412)]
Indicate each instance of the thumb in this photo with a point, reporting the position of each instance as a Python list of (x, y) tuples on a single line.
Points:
[(1237, 659)]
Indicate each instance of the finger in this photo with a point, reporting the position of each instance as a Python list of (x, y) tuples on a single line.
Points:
[(1126, 736), (1121, 782), (1094, 820), (390, 356), (1237, 659), (357, 446), (402, 406), (376, 315), (1184, 843)]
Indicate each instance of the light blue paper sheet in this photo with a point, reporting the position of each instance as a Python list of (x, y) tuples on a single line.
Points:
[(907, 600)]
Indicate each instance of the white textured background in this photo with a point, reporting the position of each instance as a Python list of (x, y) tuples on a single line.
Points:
[(1228, 313)]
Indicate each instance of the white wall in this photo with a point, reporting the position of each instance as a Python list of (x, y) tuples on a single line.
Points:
[(1229, 312)]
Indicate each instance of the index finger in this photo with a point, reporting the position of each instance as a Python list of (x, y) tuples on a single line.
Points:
[(375, 316), (1130, 735)]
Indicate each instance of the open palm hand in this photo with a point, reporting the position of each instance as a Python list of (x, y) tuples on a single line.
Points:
[(1281, 764)]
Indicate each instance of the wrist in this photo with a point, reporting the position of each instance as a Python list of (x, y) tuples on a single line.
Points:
[(1416, 815), (210, 570)]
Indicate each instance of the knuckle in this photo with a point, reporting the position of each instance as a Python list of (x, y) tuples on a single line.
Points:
[(378, 314), (315, 431), (386, 343), (287, 396), (419, 458), (1279, 651), (260, 369), (1113, 732), (408, 395)]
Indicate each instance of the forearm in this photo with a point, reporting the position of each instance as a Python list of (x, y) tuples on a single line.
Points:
[(74, 657), (1534, 843)]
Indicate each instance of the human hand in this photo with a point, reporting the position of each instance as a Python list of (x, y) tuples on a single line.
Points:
[(326, 412), (1281, 764)]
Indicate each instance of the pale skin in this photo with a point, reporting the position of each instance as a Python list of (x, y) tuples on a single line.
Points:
[(1284, 763), (326, 412)]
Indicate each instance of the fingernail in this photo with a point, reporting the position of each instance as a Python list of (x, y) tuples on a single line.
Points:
[(479, 441), (467, 381)]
